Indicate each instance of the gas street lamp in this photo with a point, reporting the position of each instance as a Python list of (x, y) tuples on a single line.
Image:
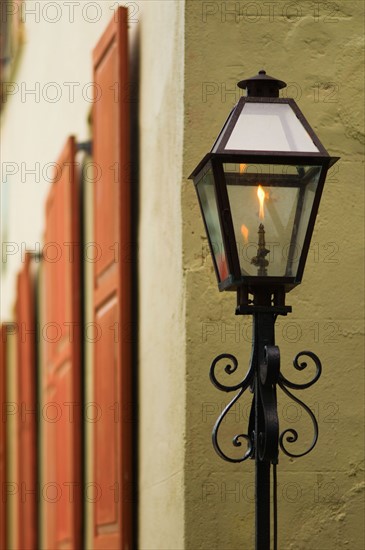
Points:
[(259, 190)]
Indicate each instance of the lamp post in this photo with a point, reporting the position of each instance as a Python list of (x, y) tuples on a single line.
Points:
[(259, 190)]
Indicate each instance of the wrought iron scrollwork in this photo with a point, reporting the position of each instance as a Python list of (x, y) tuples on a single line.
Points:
[(290, 435), (241, 387), (268, 440), (302, 366)]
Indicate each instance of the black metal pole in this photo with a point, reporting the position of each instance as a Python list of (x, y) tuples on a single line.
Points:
[(262, 526), (263, 335)]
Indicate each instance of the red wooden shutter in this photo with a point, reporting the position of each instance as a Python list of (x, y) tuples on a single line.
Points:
[(3, 337), (61, 412), (27, 442), (112, 289)]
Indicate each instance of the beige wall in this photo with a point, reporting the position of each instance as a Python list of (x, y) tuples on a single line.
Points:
[(11, 417), (56, 64), (161, 290), (58, 50), (320, 55)]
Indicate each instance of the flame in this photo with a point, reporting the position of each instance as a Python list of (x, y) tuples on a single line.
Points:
[(261, 196), (243, 168), (244, 231)]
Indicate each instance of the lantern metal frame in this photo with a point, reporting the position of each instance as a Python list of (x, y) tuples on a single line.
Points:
[(215, 160), (263, 297)]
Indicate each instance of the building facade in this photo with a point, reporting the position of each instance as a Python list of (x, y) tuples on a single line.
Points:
[(106, 109)]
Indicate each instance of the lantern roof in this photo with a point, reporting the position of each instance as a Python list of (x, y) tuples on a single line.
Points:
[(267, 126)]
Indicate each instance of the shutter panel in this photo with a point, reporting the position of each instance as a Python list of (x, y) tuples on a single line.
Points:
[(27, 442), (61, 411), (112, 290), (3, 424)]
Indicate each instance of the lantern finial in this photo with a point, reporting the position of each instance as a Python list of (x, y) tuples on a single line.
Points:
[(262, 85)]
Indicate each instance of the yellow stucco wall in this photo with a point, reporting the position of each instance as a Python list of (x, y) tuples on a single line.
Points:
[(317, 48)]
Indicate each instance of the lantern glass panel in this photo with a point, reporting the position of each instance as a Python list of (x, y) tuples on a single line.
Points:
[(270, 127), (280, 199), (208, 203)]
